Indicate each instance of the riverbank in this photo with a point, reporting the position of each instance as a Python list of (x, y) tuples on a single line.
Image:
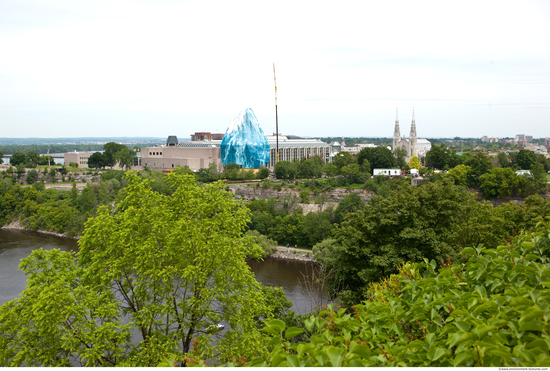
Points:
[(15, 225), (288, 253), (291, 253)]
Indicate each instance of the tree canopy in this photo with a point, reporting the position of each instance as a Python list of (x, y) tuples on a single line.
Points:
[(164, 269), (491, 311), (410, 224)]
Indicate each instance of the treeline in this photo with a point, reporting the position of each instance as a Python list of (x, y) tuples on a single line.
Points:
[(58, 210), (67, 211), (357, 168), (53, 148), (494, 177), (29, 160)]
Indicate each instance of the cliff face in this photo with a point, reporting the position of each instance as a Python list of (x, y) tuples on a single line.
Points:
[(332, 197)]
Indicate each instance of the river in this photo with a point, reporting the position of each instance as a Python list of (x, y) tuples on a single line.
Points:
[(16, 245)]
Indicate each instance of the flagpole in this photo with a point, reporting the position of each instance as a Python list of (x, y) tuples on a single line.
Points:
[(276, 115)]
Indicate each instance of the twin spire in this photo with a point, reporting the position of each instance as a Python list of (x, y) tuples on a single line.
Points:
[(397, 132)]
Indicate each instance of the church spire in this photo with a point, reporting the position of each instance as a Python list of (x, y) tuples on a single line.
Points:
[(413, 127), (396, 132), (412, 139)]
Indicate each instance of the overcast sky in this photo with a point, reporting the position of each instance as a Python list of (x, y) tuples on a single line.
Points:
[(158, 68)]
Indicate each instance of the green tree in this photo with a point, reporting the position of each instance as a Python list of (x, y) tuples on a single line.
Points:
[(479, 164), (538, 179), (329, 169), (111, 149), (503, 159), (501, 182), (349, 204), (526, 158), (342, 159), (20, 170), (1, 157), (411, 224), (316, 227), (33, 157), (378, 158), (400, 154), (172, 266), (541, 159), (97, 160), (18, 158), (350, 170), (263, 173), (459, 174), (441, 157), (285, 170), (125, 157), (309, 168), (45, 160), (32, 176)]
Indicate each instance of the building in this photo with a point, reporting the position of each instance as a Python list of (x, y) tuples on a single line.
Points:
[(205, 136), (409, 145), (523, 139), (538, 149), (356, 148), (81, 159), (195, 155), (386, 172), (297, 149), (485, 138), (422, 147)]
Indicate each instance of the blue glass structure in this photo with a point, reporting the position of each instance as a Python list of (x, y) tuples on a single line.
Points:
[(244, 142)]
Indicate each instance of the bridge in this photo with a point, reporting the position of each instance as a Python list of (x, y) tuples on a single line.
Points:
[(54, 155)]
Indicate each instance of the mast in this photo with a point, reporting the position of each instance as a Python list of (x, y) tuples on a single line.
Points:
[(276, 115)]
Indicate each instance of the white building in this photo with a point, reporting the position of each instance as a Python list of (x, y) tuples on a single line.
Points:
[(356, 148), (386, 172)]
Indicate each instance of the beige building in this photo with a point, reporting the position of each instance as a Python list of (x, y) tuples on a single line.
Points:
[(81, 159), (195, 155)]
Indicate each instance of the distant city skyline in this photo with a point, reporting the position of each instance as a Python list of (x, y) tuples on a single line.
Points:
[(137, 69)]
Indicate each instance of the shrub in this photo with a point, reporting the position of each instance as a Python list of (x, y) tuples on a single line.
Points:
[(490, 312)]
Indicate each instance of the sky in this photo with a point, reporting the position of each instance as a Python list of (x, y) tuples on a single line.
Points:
[(158, 68)]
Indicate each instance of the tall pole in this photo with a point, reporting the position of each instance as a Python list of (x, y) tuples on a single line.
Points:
[(276, 115)]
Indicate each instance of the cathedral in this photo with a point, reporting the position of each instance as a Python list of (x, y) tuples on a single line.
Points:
[(409, 145)]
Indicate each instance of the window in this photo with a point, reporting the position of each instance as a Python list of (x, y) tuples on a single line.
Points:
[(161, 153)]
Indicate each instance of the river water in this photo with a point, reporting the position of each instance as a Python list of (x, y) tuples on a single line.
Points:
[(291, 275)]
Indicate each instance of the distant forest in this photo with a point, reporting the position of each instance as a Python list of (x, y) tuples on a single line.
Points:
[(61, 145), (82, 140)]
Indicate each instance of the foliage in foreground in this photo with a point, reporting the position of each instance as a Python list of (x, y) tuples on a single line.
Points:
[(152, 277), (493, 311)]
